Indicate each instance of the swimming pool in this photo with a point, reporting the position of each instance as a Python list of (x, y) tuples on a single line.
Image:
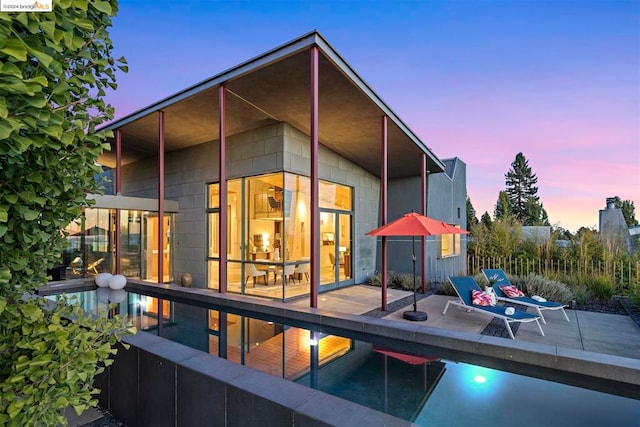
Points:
[(426, 388)]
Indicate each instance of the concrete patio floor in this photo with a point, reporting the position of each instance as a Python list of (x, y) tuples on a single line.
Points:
[(596, 332)]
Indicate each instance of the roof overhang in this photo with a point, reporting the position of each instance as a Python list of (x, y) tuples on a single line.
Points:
[(275, 87), (132, 203)]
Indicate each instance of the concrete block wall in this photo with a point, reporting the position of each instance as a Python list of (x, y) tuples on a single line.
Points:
[(186, 174), (274, 148), (255, 152), (366, 187), (160, 383)]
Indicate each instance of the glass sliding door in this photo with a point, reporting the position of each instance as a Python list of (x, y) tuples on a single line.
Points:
[(335, 233), (151, 248), (269, 235)]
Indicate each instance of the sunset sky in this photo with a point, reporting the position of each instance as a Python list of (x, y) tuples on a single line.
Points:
[(558, 81)]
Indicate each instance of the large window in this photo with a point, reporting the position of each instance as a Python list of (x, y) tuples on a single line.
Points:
[(450, 244), (92, 246), (269, 237)]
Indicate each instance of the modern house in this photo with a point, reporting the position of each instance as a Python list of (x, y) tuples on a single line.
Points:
[(268, 175)]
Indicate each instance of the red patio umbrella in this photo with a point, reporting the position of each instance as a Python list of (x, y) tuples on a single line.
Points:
[(414, 224)]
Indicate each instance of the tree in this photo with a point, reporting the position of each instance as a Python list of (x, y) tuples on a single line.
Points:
[(503, 206), (520, 182), (54, 71), (534, 213), (471, 214), (628, 211), (486, 219), (506, 234)]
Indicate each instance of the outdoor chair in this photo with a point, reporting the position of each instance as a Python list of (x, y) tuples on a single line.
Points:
[(497, 278), (252, 271), (464, 287)]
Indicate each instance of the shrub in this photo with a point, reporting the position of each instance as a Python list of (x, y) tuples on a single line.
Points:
[(582, 295), (599, 287), (403, 281), (552, 290), (444, 288)]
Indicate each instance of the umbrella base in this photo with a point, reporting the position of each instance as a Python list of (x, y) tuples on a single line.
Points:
[(415, 315)]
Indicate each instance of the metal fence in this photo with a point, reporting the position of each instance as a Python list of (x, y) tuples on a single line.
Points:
[(625, 275)]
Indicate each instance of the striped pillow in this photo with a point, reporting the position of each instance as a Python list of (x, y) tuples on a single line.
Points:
[(511, 291), (480, 298)]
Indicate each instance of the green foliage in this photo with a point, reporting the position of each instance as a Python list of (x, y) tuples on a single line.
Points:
[(54, 71), (582, 295), (628, 211), (520, 185), (485, 219), (498, 240), (445, 288), (596, 286), (586, 246), (552, 290), (503, 206), (52, 369), (471, 214), (396, 280), (522, 194)]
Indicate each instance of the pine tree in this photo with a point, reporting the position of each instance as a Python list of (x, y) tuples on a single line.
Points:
[(486, 219), (503, 207), (521, 186), (471, 214)]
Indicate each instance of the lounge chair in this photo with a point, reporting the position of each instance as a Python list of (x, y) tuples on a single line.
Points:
[(498, 278), (464, 285)]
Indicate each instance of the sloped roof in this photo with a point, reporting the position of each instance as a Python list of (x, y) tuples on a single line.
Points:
[(275, 87)]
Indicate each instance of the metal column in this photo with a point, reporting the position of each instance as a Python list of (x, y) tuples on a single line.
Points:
[(423, 208), (383, 211), (315, 208), (222, 216), (161, 196), (118, 190)]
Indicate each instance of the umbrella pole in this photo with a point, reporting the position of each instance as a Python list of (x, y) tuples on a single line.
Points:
[(413, 257), (415, 314)]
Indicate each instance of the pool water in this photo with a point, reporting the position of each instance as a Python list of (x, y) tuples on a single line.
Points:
[(423, 388)]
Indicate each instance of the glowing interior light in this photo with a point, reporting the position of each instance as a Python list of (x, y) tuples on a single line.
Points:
[(480, 379), (313, 341)]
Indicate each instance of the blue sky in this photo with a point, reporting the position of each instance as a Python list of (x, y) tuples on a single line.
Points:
[(558, 81)]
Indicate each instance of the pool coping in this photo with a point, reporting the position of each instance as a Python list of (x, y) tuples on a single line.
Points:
[(516, 355), (608, 367)]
